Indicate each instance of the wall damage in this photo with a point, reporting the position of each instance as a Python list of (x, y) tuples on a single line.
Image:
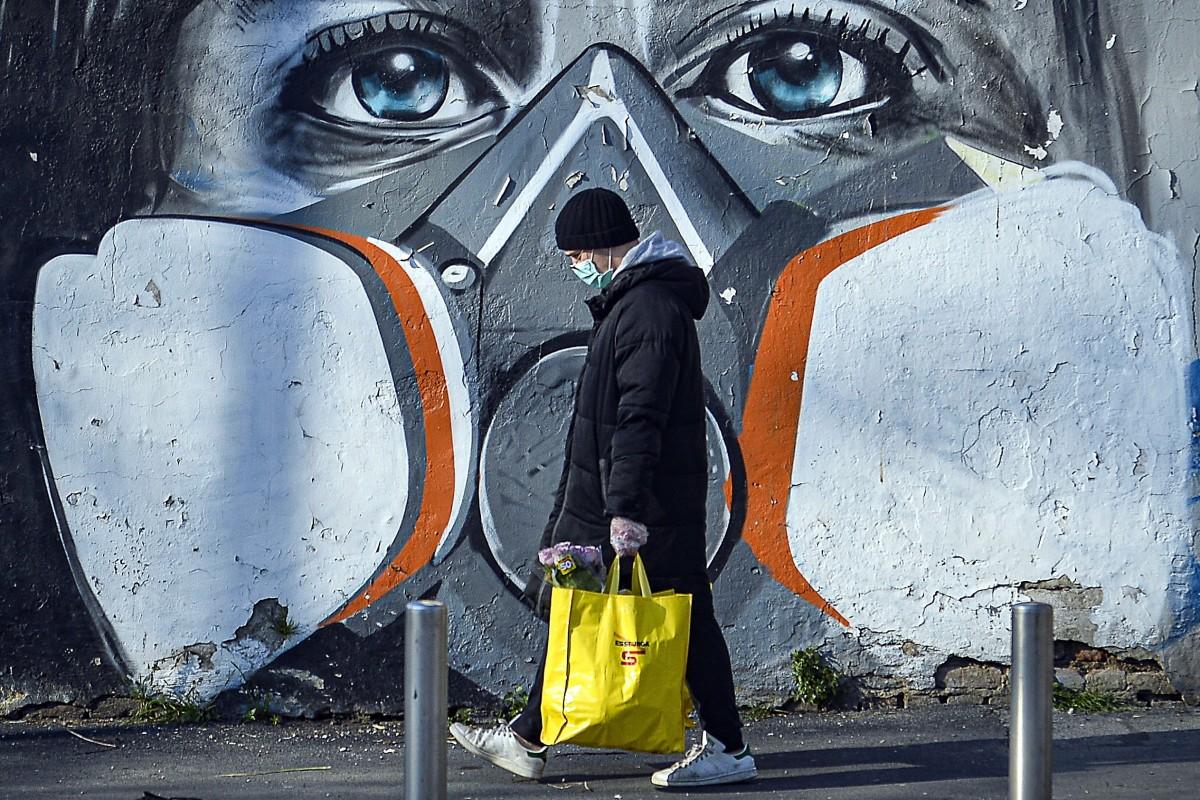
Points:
[(287, 342)]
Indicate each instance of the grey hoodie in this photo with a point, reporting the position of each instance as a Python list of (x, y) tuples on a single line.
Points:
[(655, 247)]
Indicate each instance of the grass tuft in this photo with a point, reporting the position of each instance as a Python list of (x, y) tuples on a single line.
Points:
[(1071, 700), (759, 712), (284, 626), (159, 708)]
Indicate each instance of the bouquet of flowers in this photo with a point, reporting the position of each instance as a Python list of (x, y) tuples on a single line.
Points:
[(572, 566)]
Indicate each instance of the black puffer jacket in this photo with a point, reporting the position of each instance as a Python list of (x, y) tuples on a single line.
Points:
[(636, 446)]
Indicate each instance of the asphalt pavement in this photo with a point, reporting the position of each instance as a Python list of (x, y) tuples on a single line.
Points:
[(950, 752)]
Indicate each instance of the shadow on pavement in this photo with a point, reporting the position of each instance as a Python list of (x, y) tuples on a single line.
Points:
[(971, 759)]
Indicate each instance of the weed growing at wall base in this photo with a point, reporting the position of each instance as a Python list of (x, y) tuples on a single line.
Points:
[(514, 703), (817, 681), (430, 339), (158, 708), (1072, 700), (757, 713), (262, 711)]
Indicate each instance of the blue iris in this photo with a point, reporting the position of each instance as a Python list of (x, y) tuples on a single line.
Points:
[(791, 75), (405, 84)]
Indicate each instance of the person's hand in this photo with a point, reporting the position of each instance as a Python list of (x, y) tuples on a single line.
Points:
[(627, 536)]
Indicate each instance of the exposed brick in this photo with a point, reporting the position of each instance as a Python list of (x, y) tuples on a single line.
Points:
[(1168, 703), (115, 708), (1106, 680), (1155, 683), (1087, 656), (1069, 678), (57, 712), (974, 676), (972, 698), (879, 684)]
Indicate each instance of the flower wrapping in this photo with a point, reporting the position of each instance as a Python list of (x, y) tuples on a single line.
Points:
[(573, 566)]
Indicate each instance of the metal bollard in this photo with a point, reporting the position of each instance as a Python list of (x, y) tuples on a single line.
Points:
[(425, 679), (1030, 729)]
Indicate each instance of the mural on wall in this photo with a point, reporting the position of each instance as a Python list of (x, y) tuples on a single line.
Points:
[(326, 360)]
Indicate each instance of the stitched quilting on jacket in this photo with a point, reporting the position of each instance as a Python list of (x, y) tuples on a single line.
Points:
[(636, 446)]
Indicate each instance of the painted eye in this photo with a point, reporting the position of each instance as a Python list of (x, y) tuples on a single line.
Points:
[(402, 71), (404, 85), (792, 75), (407, 84), (803, 69)]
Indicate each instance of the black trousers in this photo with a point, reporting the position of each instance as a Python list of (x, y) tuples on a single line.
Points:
[(709, 673)]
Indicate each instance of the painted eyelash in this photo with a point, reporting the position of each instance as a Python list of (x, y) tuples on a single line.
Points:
[(840, 30), (339, 36)]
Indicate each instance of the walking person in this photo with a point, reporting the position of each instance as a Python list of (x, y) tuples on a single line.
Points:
[(636, 470)]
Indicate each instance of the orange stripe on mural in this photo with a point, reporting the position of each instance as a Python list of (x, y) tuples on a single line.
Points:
[(772, 416), (437, 499)]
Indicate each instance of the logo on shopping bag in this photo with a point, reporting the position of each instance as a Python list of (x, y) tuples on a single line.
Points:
[(629, 658), (630, 650)]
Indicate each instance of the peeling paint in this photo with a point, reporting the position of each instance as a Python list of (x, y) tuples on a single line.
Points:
[(1054, 124), (303, 349), (1074, 605)]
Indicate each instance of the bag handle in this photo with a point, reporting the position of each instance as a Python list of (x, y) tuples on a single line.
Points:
[(640, 583)]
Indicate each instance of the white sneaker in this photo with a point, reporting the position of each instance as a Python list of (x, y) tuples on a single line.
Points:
[(500, 746), (707, 764)]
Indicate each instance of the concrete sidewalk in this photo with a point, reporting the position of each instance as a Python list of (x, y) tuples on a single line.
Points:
[(954, 753)]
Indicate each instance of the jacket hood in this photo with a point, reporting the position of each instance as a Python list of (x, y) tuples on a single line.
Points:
[(660, 260)]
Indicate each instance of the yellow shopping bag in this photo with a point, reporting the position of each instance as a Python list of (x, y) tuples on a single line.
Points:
[(615, 667)]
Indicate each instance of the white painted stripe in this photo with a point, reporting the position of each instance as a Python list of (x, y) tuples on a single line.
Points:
[(591, 109)]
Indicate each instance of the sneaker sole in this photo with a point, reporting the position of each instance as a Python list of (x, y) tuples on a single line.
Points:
[(515, 768), (715, 780)]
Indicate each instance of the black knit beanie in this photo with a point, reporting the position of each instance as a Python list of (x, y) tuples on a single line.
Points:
[(592, 219)]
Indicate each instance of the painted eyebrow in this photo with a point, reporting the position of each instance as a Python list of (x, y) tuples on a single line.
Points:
[(245, 12), (704, 22), (734, 7)]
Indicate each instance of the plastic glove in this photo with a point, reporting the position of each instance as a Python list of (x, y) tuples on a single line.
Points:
[(627, 536)]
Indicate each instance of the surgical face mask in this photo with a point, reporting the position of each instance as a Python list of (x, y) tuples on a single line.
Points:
[(586, 271)]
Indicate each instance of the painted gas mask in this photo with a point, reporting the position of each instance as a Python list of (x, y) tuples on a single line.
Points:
[(351, 398)]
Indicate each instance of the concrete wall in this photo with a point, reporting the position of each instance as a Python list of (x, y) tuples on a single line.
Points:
[(286, 341)]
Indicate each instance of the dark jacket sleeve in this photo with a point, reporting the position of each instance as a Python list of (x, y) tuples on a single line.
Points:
[(647, 361)]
